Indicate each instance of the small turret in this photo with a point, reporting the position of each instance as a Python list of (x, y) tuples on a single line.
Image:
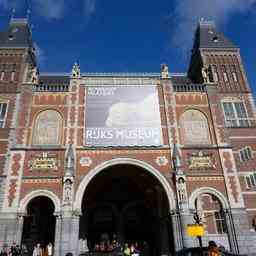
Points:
[(69, 161)]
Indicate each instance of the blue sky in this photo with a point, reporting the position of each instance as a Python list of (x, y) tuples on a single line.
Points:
[(131, 36)]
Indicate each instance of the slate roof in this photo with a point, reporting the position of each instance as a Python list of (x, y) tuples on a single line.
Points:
[(54, 79), (17, 35), (207, 36)]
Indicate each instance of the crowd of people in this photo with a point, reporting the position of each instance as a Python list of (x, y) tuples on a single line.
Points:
[(128, 249), (132, 249), (17, 250), (14, 250)]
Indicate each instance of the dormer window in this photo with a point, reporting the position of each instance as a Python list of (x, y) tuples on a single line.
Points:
[(215, 39), (11, 37)]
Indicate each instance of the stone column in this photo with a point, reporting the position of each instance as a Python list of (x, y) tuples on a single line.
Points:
[(177, 231), (19, 228), (57, 242), (74, 237)]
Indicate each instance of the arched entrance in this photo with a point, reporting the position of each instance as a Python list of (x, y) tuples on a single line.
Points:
[(39, 223), (127, 204)]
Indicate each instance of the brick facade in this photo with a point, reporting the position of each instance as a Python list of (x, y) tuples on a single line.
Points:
[(178, 93)]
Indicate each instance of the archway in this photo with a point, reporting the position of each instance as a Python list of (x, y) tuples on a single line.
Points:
[(39, 223), (211, 206), (125, 203)]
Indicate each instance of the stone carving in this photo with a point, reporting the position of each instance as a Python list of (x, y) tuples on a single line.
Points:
[(161, 161), (194, 128), (76, 71), (182, 190), (164, 71), (34, 76), (68, 191), (48, 128), (85, 161), (207, 74)]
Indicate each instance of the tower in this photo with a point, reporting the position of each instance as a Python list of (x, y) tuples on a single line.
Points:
[(217, 63)]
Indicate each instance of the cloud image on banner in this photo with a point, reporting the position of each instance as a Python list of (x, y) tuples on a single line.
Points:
[(123, 116)]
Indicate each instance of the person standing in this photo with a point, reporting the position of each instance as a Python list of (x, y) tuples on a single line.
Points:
[(37, 250), (49, 249)]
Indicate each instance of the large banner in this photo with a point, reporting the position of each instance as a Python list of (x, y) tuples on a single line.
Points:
[(122, 116)]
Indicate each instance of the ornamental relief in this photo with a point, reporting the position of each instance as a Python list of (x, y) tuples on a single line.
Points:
[(48, 127), (201, 161), (45, 162)]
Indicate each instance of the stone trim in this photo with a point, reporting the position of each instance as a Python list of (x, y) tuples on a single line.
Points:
[(42, 192), (207, 190)]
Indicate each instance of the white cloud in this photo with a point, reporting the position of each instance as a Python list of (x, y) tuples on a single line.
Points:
[(188, 12), (127, 114), (89, 7), (51, 9), (40, 55)]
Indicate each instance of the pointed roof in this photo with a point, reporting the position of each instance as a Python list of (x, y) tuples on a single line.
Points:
[(17, 35), (207, 36)]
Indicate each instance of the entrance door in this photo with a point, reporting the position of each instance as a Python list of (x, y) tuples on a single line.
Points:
[(39, 224)]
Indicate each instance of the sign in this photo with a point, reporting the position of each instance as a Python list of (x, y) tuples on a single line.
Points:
[(195, 230), (201, 161), (122, 116), (44, 162)]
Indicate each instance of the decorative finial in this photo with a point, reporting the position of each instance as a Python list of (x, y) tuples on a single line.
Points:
[(76, 71), (13, 13), (164, 71)]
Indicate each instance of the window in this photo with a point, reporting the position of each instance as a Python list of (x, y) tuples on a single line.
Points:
[(235, 114), (246, 154), (220, 222), (3, 107), (251, 180), (215, 73), (234, 73), (225, 75)]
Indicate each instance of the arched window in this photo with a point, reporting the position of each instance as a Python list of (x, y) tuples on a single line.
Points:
[(194, 128), (211, 213), (47, 130)]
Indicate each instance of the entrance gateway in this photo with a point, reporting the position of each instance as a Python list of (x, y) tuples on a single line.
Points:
[(125, 200), (126, 204)]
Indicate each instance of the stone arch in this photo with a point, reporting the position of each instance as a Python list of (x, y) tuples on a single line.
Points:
[(92, 173), (195, 131), (47, 133), (207, 190), (27, 199)]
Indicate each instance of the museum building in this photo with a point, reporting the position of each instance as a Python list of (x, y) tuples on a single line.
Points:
[(127, 156)]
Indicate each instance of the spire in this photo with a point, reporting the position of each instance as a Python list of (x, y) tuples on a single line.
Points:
[(76, 73), (70, 161), (207, 36), (176, 157)]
